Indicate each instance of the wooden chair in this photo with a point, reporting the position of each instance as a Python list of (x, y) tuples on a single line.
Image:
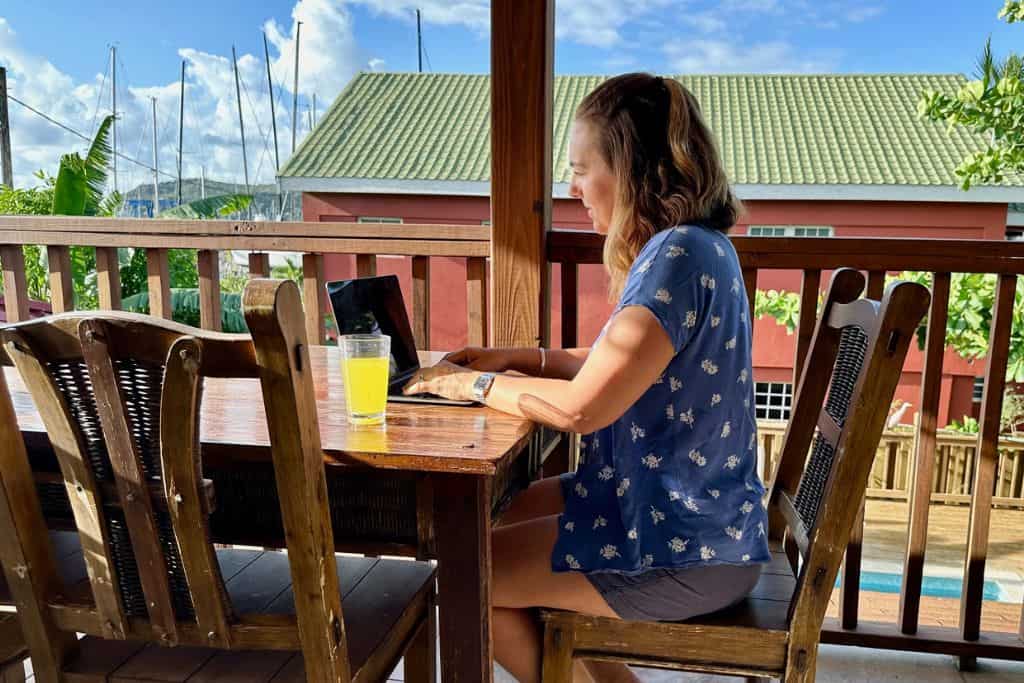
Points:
[(120, 396), (12, 649), (859, 344)]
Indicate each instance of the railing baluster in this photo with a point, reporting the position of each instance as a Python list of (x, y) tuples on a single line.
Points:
[(366, 265), (108, 278), (421, 301), (62, 291), (984, 471), (570, 302), (15, 285), (924, 457), (208, 262), (808, 315), (259, 264), (158, 280), (476, 300), (313, 296)]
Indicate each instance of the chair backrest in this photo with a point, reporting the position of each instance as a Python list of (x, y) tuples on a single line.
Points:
[(842, 401), (119, 395)]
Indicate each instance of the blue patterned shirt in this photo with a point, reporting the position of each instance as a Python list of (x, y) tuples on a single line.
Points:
[(673, 482)]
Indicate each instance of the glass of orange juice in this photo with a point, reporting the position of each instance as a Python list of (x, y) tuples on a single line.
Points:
[(365, 368)]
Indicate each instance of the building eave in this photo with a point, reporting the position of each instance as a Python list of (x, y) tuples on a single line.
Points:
[(747, 192)]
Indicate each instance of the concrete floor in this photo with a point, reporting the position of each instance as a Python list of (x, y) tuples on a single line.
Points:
[(838, 664)]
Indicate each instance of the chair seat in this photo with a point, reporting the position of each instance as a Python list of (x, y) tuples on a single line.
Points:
[(12, 645), (753, 633), (382, 601)]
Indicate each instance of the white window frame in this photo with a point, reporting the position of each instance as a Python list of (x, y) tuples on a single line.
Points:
[(764, 392), (978, 389), (394, 220), (790, 231)]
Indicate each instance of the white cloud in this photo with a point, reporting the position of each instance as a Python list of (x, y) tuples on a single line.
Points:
[(473, 14), (714, 56), (329, 57)]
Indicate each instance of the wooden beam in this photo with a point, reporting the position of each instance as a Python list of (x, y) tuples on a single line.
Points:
[(15, 285), (522, 52)]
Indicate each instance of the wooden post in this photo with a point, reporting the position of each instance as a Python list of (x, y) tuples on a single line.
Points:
[(313, 296), (159, 282), (12, 260), (522, 53), (108, 278), (62, 293), (208, 262)]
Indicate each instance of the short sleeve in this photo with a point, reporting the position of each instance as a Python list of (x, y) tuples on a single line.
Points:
[(665, 280)]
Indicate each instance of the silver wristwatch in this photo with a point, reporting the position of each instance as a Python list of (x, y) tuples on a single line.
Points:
[(482, 385)]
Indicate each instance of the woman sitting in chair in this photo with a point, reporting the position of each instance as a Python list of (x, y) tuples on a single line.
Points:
[(663, 519)]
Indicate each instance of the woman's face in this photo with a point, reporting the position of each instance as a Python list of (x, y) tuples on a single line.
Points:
[(592, 182)]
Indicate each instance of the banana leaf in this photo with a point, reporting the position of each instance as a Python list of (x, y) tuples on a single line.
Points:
[(211, 207)]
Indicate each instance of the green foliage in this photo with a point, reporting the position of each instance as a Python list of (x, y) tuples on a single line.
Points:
[(185, 308), (782, 305), (1012, 12), (991, 105), (211, 207), (289, 271), (31, 202), (968, 426)]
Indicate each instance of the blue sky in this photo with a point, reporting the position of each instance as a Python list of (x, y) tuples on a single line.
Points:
[(57, 55)]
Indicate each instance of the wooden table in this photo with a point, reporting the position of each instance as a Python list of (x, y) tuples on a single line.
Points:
[(458, 455)]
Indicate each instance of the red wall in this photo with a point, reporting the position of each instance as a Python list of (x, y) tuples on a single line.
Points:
[(773, 348)]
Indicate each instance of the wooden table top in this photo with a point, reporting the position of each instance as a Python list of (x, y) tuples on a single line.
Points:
[(418, 437)]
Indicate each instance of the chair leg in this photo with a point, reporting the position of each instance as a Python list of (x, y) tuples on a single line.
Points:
[(558, 647), (421, 656)]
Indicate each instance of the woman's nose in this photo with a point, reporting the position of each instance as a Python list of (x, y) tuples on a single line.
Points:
[(574, 190)]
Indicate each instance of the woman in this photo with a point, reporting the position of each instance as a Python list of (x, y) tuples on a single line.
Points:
[(663, 520)]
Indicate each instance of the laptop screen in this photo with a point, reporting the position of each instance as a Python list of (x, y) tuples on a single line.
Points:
[(374, 305)]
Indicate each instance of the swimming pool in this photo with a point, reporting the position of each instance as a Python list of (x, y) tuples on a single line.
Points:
[(934, 586)]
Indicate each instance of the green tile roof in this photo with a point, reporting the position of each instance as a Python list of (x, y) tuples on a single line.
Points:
[(773, 129)]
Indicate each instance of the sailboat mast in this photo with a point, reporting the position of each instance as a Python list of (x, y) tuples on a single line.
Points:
[(156, 167), (295, 86), (181, 126), (270, 91), (113, 105), (241, 122)]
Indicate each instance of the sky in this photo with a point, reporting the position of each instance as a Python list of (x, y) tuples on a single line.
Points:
[(57, 54)]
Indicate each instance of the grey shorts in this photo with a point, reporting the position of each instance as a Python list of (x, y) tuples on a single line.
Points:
[(671, 594), (675, 594)]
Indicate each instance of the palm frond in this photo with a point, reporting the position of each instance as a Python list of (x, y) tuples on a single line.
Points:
[(70, 188), (97, 162), (211, 207)]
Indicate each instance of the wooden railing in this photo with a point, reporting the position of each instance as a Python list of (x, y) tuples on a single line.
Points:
[(312, 240), (878, 256), (953, 474)]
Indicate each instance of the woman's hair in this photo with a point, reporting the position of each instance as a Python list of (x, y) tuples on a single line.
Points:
[(668, 172)]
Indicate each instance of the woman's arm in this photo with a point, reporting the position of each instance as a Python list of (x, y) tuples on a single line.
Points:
[(527, 360), (631, 355)]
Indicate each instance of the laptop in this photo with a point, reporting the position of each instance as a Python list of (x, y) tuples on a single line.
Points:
[(374, 305)]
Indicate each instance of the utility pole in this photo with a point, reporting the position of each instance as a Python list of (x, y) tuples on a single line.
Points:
[(419, 43), (113, 97), (5, 133), (270, 91), (295, 86), (202, 182), (241, 123), (156, 167), (181, 126)]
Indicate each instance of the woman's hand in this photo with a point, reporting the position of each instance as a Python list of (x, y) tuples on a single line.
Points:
[(444, 379), (484, 360)]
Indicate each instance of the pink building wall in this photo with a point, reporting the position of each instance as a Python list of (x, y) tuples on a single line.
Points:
[(774, 349)]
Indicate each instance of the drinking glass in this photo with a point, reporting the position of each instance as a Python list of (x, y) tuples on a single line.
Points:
[(365, 367)]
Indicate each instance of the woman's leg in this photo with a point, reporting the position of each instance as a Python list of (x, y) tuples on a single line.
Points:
[(523, 580)]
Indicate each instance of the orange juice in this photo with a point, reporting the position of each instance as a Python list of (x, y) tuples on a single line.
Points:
[(366, 388)]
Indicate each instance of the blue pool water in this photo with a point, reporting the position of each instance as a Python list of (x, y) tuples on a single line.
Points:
[(935, 586)]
